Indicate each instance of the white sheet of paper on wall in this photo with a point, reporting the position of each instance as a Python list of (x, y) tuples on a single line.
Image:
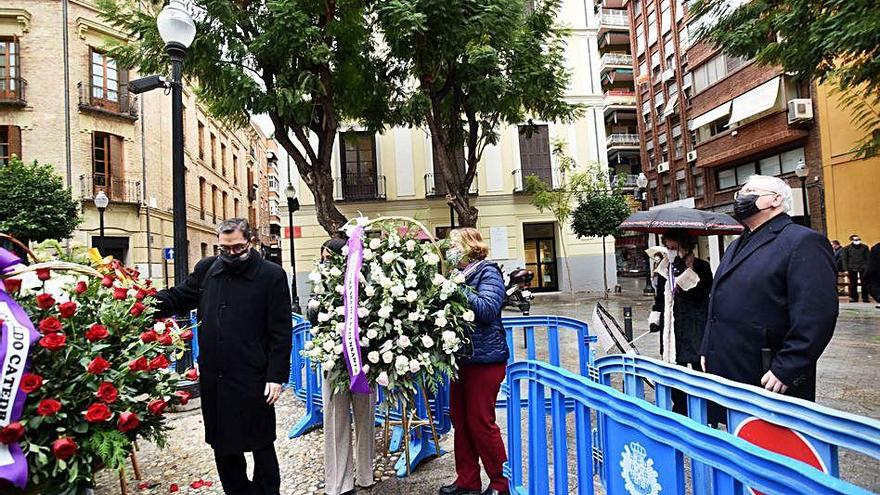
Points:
[(498, 248)]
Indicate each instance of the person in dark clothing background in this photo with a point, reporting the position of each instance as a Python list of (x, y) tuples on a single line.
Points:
[(872, 273), (243, 306), (838, 253), (855, 262), (681, 305)]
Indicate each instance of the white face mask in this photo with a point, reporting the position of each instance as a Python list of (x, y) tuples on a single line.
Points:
[(857, 242), (672, 253)]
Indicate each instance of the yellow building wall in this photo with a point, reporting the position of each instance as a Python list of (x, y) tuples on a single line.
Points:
[(852, 186)]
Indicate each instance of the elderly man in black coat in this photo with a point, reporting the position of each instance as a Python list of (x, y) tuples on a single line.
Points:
[(774, 303), (243, 304)]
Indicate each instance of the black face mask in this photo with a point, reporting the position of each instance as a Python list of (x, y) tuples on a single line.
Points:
[(746, 207), (234, 262)]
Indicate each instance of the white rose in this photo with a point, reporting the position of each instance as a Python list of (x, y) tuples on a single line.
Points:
[(369, 291), (340, 289), (327, 366), (388, 257), (414, 366), (411, 296), (384, 312), (411, 245), (449, 337), (372, 333), (366, 368), (386, 282), (397, 291), (468, 315), (315, 276), (340, 310), (345, 250), (319, 289), (393, 240), (314, 304), (368, 255), (328, 346), (382, 379), (373, 357), (409, 264), (309, 345), (438, 279), (403, 341), (410, 282), (386, 346), (459, 279), (337, 349), (440, 321), (363, 312), (323, 317), (431, 259), (335, 272), (387, 357), (365, 342), (340, 327), (375, 244), (159, 327), (413, 316), (427, 341)]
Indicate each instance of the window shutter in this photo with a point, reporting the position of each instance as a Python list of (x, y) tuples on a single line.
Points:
[(124, 95), (14, 140), (117, 157), (535, 153)]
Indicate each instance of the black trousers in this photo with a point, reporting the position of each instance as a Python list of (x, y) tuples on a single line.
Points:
[(856, 277), (679, 398), (232, 469)]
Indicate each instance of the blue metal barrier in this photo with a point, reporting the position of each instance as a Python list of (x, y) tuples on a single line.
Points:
[(644, 445)]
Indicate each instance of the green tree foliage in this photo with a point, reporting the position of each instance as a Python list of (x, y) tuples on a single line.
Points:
[(309, 64), (34, 204), (473, 66), (835, 41)]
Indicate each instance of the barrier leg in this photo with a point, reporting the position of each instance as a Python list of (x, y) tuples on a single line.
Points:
[(314, 416)]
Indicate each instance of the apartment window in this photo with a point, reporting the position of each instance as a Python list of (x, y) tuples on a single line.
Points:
[(202, 187), (236, 209), (652, 185), (359, 179), (9, 82), (678, 144), (201, 140), (637, 7), (684, 38), (664, 152), (790, 160), (534, 152), (105, 78), (667, 189), (213, 151), (223, 159), (669, 53), (714, 70), (214, 203), (659, 100), (273, 183), (681, 184), (655, 65), (665, 17), (652, 28), (680, 9), (10, 143), (204, 251), (235, 165), (640, 39), (106, 161), (225, 204), (643, 68), (699, 184)]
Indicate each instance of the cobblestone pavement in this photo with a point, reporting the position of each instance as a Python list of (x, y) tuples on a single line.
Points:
[(847, 374)]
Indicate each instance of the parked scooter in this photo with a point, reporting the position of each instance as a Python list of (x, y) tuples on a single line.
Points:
[(517, 294)]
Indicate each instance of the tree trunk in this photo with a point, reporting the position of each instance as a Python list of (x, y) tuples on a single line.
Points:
[(565, 256), (605, 268), (446, 163)]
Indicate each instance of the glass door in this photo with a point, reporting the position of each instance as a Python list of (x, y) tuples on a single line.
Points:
[(540, 256)]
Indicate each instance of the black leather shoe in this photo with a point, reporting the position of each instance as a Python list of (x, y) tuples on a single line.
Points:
[(492, 491), (453, 489)]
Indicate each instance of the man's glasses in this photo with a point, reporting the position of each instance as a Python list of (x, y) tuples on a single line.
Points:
[(750, 192), (234, 249)]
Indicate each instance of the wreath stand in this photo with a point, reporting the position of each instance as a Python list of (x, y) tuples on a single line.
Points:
[(414, 414), (84, 270)]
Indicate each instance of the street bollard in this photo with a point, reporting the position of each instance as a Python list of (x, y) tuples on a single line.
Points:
[(628, 323)]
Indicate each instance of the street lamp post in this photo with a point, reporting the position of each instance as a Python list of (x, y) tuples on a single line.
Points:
[(101, 203), (292, 206), (642, 184), (802, 172), (177, 29)]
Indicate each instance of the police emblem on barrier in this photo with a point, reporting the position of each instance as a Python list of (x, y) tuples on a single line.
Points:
[(638, 472)]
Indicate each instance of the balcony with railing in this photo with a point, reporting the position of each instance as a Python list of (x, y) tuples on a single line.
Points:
[(620, 98), (119, 103), (359, 187), (118, 190), (623, 141), (614, 60), (435, 186), (625, 181), (613, 20), (12, 91)]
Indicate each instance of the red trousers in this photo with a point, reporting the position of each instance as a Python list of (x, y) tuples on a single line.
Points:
[(477, 436)]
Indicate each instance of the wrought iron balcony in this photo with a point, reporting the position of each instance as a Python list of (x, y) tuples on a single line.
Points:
[(359, 187), (12, 91), (118, 103), (435, 186), (118, 190)]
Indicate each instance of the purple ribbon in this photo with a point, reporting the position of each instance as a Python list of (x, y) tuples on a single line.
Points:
[(351, 338), (17, 334)]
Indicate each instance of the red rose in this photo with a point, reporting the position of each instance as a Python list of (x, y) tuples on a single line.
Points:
[(12, 284), (53, 341), (120, 293), (107, 392), (67, 309), (149, 336), (173, 488), (12, 433), (186, 334), (139, 364), (44, 274), (169, 324), (107, 281), (98, 366), (50, 325), (81, 287), (127, 422), (157, 406), (140, 294), (30, 383), (192, 374), (45, 301), (98, 413), (183, 396), (165, 339), (97, 332), (137, 309), (64, 448), (48, 407), (159, 362)]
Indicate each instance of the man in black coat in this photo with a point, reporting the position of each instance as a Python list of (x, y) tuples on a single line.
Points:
[(243, 304), (872, 274), (774, 303), (855, 262)]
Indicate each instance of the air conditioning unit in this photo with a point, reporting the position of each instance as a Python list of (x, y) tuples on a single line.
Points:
[(800, 110), (662, 167), (692, 156)]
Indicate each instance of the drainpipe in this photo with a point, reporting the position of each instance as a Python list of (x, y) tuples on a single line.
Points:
[(65, 43), (144, 182)]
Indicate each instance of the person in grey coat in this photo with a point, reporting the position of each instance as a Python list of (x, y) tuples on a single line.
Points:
[(855, 262)]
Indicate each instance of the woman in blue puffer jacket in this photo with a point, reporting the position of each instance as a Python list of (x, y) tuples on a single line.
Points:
[(472, 397)]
